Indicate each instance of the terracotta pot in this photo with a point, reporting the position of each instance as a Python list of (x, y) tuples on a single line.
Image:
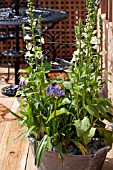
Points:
[(95, 161)]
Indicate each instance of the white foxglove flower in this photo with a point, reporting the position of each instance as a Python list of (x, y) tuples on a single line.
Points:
[(73, 59), (82, 44), (29, 20), (85, 29), (74, 55), (39, 54), (85, 34), (29, 46), (41, 40), (76, 52), (95, 31), (33, 49), (95, 46), (28, 54), (27, 12), (34, 23), (27, 37), (91, 27), (27, 28), (94, 40)]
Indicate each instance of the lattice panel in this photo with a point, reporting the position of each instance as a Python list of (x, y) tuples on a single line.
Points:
[(9, 3), (74, 8)]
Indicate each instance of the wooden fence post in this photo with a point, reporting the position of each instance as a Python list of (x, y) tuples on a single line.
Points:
[(106, 9), (102, 6), (110, 10)]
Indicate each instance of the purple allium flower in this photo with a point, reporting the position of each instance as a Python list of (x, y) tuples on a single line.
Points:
[(53, 89), (62, 93), (22, 83), (47, 89)]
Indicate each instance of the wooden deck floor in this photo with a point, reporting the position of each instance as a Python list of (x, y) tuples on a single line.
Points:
[(19, 156)]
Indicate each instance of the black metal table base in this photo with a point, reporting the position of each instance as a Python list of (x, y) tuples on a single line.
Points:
[(9, 90)]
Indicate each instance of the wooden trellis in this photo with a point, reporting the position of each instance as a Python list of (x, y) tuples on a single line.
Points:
[(74, 9)]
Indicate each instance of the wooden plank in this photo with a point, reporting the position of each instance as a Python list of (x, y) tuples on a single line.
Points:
[(2, 70), (5, 104), (110, 10), (102, 6), (4, 112), (30, 161), (106, 9), (15, 157)]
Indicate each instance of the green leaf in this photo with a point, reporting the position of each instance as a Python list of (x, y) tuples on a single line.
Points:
[(42, 153), (38, 102), (68, 85), (107, 134), (91, 109), (40, 150), (17, 116), (23, 70), (105, 101), (69, 70), (80, 146), (101, 109), (57, 113), (109, 117), (82, 126), (28, 132), (109, 73), (99, 123), (49, 144), (108, 137), (88, 135), (22, 122), (64, 101), (30, 110), (14, 140)]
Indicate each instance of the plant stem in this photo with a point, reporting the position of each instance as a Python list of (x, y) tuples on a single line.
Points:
[(54, 120)]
